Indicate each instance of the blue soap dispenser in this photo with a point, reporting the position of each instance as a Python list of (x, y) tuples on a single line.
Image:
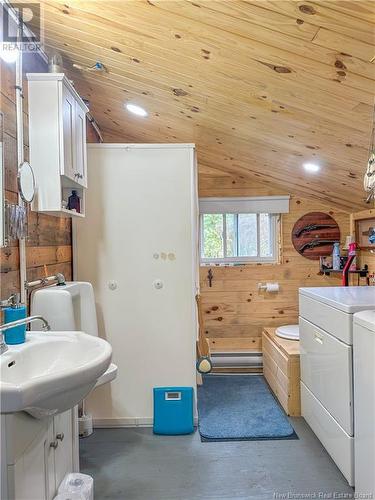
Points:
[(17, 334)]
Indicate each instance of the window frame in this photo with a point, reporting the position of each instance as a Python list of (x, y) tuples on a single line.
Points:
[(274, 230)]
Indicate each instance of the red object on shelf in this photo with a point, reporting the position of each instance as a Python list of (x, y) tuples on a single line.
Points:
[(345, 271)]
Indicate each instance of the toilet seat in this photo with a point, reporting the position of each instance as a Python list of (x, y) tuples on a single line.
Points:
[(289, 332), (107, 376)]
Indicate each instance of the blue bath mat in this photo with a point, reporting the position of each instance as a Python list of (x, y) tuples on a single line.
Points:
[(240, 407)]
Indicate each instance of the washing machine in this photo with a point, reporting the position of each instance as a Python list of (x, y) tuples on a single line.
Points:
[(364, 403)]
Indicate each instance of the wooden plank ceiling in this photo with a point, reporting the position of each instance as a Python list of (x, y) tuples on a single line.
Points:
[(260, 86)]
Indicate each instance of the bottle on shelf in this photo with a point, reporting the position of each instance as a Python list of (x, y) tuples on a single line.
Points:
[(336, 260), (353, 251), (74, 202)]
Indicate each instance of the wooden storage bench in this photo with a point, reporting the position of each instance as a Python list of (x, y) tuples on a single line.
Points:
[(281, 369)]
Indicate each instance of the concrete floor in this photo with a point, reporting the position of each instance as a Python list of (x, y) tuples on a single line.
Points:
[(134, 464)]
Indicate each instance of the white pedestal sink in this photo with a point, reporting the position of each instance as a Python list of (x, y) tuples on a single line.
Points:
[(51, 372)]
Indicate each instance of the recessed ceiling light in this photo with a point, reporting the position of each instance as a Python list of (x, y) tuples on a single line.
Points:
[(311, 167), (136, 110), (9, 54)]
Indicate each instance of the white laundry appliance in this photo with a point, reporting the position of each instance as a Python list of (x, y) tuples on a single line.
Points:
[(326, 340), (364, 403)]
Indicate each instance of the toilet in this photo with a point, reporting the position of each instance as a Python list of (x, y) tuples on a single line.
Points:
[(71, 307), (288, 332)]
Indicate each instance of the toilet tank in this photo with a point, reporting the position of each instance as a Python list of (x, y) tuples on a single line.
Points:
[(67, 307)]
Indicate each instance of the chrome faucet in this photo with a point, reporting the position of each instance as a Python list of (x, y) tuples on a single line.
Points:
[(11, 302), (19, 322)]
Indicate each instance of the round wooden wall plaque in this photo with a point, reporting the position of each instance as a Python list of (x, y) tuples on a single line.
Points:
[(313, 235)]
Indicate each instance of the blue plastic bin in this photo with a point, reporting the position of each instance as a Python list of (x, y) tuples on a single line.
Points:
[(173, 410)]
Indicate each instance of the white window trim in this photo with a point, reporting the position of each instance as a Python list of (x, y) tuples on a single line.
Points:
[(251, 204), (242, 260)]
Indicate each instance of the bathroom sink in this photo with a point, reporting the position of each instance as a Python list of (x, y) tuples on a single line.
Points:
[(51, 372)]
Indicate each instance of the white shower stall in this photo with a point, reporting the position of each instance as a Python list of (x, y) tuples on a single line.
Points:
[(138, 246)]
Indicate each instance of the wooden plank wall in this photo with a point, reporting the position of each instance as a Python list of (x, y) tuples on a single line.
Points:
[(49, 240), (234, 311)]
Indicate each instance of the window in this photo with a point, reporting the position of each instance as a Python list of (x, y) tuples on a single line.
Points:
[(242, 237)]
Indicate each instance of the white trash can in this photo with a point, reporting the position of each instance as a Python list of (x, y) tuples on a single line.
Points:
[(69, 496), (76, 483)]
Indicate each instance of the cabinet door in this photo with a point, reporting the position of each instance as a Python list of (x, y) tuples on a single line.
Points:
[(68, 115), (63, 429), (49, 453), (80, 146), (34, 470)]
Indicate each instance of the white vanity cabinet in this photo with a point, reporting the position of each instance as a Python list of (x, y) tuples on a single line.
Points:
[(57, 135), (39, 453)]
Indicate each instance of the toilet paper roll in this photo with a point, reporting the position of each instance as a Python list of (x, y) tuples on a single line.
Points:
[(272, 287)]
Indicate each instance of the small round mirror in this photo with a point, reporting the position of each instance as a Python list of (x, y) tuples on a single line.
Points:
[(26, 182)]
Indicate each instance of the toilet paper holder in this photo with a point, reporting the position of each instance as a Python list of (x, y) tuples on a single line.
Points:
[(269, 287)]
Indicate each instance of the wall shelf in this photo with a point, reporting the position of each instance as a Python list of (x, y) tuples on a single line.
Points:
[(70, 213), (362, 272)]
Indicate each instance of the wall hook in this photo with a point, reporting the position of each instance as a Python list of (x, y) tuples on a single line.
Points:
[(210, 277)]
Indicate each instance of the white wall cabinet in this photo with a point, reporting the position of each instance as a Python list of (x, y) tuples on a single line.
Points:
[(39, 453), (57, 131)]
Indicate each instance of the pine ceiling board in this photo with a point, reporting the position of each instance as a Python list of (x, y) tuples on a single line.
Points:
[(344, 44), (259, 157), (310, 189), (247, 45), (363, 108), (222, 132), (254, 13), (245, 117), (185, 104), (211, 172), (281, 43), (285, 94), (153, 33), (323, 14), (240, 122), (204, 104), (92, 23), (300, 80), (364, 9)]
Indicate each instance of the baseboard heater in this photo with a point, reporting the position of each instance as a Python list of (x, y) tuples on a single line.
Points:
[(237, 359)]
